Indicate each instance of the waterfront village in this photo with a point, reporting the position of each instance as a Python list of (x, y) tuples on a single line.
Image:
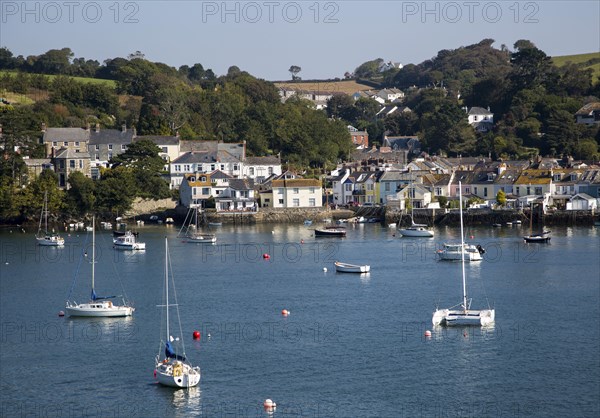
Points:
[(398, 174)]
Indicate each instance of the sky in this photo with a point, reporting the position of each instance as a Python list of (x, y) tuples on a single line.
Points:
[(324, 38)]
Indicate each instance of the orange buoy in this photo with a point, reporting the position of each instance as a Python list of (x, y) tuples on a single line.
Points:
[(285, 312), (196, 335), (61, 313), (428, 333)]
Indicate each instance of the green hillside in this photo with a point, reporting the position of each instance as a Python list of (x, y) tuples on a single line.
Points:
[(591, 60), (109, 83)]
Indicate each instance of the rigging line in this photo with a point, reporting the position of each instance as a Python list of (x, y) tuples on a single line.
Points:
[(176, 301), (81, 257), (114, 267)]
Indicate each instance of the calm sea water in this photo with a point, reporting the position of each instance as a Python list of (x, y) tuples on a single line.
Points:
[(353, 346)]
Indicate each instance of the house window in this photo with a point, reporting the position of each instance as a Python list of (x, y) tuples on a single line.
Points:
[(475, 118), (110, 147), (212, 167), (205, 191), (61, 180), (203, 178), (194, 191), (110, 155), (538, 190), (475, 190), (76, 143), (97, 147), (186, 168), (54, 143), (484, 192), (311, 202), (222, 167), (97, 157), (280, 190), (61, 164), (270, 170), (438, 191), (123, 147), (251, 171), (165, 150), (66, 143), (71, 163), (281, 201), (518, 193), (348, 187), (177, 168), (311, 190), (296, 190), (467, 190), (369, 187), (235, 167), (80, 163), (296, 203), (387, 187)]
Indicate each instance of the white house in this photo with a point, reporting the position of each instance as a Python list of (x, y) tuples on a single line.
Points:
[(481, 119), (169, 146), (297, 193), (260, 168), (390, 95), (588, 114), (238, 196)]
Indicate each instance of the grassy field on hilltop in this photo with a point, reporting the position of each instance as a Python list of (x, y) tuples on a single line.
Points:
[(343, 86), (591, 60), (109, 83)]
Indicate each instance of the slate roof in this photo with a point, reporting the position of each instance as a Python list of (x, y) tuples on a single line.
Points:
[(70, 153), (195, 158), (241, 184), (66, 134), (479, 111), (111, 136), (297, 183), (204, 146)]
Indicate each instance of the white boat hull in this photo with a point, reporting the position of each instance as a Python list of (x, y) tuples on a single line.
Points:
[(202, 239), (98, 309), (177, 374), (416, 232), (351, 268), (462, 317), (51, 241), (453, 253), (135, 246)]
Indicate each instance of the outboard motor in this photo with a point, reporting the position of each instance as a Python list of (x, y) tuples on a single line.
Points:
[(480, 249)]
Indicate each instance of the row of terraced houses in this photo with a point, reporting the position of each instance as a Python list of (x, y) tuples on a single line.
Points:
[(388, 175)]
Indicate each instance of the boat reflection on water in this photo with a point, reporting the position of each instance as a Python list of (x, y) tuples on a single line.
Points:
[(186, 401)]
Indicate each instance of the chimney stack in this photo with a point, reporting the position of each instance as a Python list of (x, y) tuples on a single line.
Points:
[(97, 127), (123, 128), (87, 127), (43, 127)]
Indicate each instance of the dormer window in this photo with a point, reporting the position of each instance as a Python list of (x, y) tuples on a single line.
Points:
[(203, 178)]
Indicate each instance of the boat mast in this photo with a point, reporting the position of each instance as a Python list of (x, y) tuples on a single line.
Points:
[(167, 286), (46, 211), (462, 247), (93, 250)]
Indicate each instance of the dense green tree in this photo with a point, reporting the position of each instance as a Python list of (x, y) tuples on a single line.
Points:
[(81, 196)]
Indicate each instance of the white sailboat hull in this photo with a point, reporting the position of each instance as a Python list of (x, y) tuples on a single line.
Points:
[(201, 238), (51, 241), (176, 374), (419, 231), (351, 268), (462, 317), (98, 309)]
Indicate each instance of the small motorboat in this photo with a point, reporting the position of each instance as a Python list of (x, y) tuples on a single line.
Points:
[(331, 231), (351, 268)]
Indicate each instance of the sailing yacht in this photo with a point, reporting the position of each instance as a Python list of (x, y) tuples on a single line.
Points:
[(98, 306), (173, 369), (541, 237), (46, 238), (190, 232), (415, 230), (463, 314)]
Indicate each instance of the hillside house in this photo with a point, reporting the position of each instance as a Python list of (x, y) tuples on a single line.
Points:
[(589, 114)]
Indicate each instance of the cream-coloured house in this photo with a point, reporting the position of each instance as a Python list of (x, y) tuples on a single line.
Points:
[(297, 193)]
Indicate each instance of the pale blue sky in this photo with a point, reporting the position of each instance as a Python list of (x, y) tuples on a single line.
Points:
[(265, 37)]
